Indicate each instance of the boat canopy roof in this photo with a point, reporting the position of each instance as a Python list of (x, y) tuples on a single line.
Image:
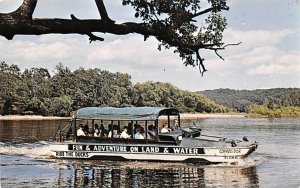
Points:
[(128, 113)]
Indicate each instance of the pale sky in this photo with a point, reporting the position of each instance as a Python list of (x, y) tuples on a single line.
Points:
[(268, 57)]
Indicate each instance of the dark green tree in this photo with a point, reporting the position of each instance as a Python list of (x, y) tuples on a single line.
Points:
[(38, 90), (61, 106), (12, 89)]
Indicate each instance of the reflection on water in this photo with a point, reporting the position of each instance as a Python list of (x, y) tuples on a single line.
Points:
[(25, 171), (132, 174), (25, 159)]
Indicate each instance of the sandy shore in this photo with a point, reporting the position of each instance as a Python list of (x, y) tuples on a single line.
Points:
[(182, 116), (24, 118), (200, 116)]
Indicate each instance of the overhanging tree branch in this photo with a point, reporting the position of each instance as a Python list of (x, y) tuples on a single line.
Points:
[(102, 11), (170, 24), (26, 9), (91, 35), (202, 68), (207, 11)]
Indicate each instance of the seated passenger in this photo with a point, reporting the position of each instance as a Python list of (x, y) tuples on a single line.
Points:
[(85, 129), (152, 132), (97, 133), (138, 134), (80, 131), (130, 129), (96, 127), (142, 131), (102, 131), (116, 134), (135, 127), (165, 128), (110, 132), (175, 125), (124, 133)]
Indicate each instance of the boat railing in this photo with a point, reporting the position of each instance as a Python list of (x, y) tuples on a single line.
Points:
[(63, 134), (123, 140)]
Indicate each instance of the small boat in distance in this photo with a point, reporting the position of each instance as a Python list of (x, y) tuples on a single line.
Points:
[(96, 133)]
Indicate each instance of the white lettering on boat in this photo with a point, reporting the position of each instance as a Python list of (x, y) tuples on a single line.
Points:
[(110, 148), (76, 154), (134, 149), (230, 151), (81, 154), (137, 149), (231, 157), (77, 147), (150, 149), (60, 154), (185, 150)]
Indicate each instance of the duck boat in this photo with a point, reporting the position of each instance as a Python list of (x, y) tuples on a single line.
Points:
[(103, 140)]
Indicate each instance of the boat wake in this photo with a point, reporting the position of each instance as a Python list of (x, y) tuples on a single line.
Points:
[(247, 162), (40, 150)]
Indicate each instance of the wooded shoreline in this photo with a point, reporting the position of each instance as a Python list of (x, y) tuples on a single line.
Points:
[(185, 116), (35, 92)]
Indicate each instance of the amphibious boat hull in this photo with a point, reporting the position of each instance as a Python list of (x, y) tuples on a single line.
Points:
[(151, 152)]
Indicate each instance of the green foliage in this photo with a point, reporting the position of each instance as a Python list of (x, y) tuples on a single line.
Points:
[(241, 100), (165, 94), (11, 88), (35, 91), (61, 106), (188, 25), (265, 111)]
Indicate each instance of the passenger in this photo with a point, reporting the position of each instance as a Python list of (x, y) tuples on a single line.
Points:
[(152, 132), (175, 126), (97, 133), (130, 129), (116, 134), (124, 133), (142, 130), (138, 134), (135, 127), (165, 128), (91, 132), (96, 126), (116, 131), (80, 131), (102, 131), (86, 129), (96, 130), (110, 132)]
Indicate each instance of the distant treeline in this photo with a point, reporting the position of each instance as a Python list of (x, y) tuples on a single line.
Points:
[(257, 100), (35, 91)]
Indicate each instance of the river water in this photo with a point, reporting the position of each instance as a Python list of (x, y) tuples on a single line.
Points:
[(25, 159)]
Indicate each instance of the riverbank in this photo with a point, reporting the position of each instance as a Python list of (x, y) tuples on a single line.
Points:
[(201, 116), (24, 118), (182, 116)]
